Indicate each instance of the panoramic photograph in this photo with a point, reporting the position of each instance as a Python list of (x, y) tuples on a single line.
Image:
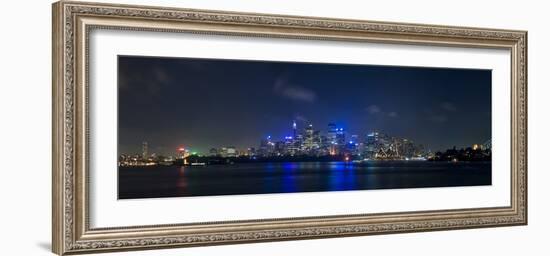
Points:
[(213, 127)]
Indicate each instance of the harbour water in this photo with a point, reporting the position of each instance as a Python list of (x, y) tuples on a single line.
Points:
[(288, 177)]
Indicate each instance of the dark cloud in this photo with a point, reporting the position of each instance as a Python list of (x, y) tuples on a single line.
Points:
[(393, 114), (300, 118), (373, 109), (293, 92), (299, 94), (377, 110)]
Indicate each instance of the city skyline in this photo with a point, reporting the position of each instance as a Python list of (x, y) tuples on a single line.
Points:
[(339, 137), (200, 103)]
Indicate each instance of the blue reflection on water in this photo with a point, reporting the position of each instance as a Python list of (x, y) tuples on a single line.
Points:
[(337, 166), (289, 166), (336, 175), (270, 167), (288, 182), (341, 176)]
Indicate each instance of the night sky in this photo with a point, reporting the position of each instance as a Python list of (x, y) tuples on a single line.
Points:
[(205, 103)]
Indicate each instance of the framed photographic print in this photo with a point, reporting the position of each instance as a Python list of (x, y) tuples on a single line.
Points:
[(179, 127)]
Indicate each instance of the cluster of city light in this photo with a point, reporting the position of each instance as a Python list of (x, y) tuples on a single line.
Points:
[(310, 143), (140, 160)]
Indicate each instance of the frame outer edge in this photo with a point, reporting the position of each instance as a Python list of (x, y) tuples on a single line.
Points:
[(65, 239), (525, 107), (57, 246)]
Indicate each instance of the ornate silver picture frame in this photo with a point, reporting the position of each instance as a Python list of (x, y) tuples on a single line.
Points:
[(72, 24)]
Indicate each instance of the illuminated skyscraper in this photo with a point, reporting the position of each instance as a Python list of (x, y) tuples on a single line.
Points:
[(222, 151), (317, 140), (312, 141), (331, 134), (353, 144), (267, 147), (230, 151), (144, 150), (371, 145), (354, 138), (308, 138), (213, 151), (340, 137), (251, 151)]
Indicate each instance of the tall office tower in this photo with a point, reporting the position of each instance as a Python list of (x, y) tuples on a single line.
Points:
[(354, 138), (299, 143), (308, 137), (289, 148), (330, 143), (331, 134), (372, 138), (144, 150), (267, 147), (251, 151), (262, 151), (353, 145), (340, 137)]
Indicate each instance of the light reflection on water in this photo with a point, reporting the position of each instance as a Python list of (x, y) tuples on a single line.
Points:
[(181, 183), (258, 178), (289, 182), (340, 175)]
